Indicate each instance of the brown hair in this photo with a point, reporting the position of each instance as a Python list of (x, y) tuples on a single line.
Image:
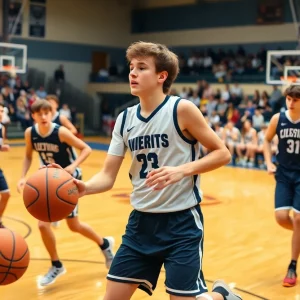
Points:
[(53, 97), (165, 60), (39, 105), (292, 91)]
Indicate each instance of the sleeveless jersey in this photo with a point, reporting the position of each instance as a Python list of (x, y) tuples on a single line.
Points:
[(56, 119), (51, 149), (248, 137), (288, 133), (154, 142)]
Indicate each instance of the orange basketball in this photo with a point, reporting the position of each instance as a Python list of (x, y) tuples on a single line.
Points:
[(50, 194), (14, 256)]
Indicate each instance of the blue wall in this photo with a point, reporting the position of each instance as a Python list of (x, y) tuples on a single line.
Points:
[(203, 15), (47, 50)]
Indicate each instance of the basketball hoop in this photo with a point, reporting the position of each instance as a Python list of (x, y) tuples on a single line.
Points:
[(288, 81), (11, 70)]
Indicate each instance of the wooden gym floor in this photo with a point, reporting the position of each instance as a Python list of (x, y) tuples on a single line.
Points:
[(243, 244)]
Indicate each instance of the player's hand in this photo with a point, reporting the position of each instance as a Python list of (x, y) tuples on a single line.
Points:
[(271, 168), (70, 169), (80, 186), (162, 177), (21, 184), (5, 148)]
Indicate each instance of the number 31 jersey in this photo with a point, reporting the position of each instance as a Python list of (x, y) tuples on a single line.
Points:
[(154, 142), (288, 133)]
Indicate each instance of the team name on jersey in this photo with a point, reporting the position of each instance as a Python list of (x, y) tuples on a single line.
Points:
[(289, 133), (46, 147), (148, 142)]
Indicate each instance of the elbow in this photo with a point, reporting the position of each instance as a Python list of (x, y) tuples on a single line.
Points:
[(226, 156)]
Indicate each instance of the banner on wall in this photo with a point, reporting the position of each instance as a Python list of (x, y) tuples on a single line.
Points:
[(37, 20), (13, 17)]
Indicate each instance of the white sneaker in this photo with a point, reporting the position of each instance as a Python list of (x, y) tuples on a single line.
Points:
[(108, 252), (220, 285), (55, 224), (52, 275)]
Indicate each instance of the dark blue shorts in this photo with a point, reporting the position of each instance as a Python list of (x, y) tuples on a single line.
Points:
[(287, 192), (151, 240), (3, 184)]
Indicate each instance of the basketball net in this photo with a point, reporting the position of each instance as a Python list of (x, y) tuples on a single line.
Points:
[(11, 70)]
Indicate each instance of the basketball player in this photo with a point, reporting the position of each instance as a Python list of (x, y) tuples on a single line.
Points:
[(4, 190), (54, 144), (163, 134), (57, 117), (287, 174)]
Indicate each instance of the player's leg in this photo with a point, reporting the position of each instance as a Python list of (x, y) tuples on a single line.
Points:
[(283, 200), (119, 290), (291, 276), (250, 153), (136, 264), (183, 262), (57, 269), (4, 196), (106, 244)]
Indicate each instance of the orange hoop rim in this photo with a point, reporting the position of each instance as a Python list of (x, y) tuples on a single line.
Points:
[(289, 79)]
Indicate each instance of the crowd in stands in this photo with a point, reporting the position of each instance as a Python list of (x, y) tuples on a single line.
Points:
[(18, 96), (239, 120)]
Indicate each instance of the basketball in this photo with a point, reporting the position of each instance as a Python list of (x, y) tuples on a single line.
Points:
[(14, 256), (50, 194)]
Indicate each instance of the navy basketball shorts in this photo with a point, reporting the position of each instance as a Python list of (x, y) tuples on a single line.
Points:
[(152, 240), (287, 191), (77, 174), (3, 184)]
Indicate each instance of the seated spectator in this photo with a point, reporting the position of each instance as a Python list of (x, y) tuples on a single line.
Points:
[(22, 113), (65, 111), (231, 137), (41, 93), (257, 120), (246, 149)]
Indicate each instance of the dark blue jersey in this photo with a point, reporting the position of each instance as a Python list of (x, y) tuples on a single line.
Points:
[(50, 148), (288, 133), (1, 134), (56, 118)]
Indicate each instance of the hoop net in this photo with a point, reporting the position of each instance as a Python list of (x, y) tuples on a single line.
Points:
[(288, 81), (11, 70)]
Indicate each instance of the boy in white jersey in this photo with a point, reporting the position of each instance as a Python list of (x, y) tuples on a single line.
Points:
[(163, 134)]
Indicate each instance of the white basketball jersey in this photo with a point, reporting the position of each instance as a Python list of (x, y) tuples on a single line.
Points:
[(154, 142)]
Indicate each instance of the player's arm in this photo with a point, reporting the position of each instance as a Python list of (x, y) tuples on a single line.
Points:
[(270, 133), (66, 136), (4, 147), (67, 123), (190, 119), (27, 158)]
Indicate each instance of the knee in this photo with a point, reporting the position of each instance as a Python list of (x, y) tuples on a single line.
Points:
[(282, 218), (43, 225), (74, 226), (5, 196)]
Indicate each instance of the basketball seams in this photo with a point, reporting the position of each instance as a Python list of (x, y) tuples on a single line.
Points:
[(38, 194), (47, 196), (8, 273), (12, 256), (14, 260), (57, 189)]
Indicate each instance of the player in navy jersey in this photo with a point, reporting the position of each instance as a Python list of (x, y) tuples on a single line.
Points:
[(4, 190), (287, 173), (163, 134), (57, 117), (54, 144)]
